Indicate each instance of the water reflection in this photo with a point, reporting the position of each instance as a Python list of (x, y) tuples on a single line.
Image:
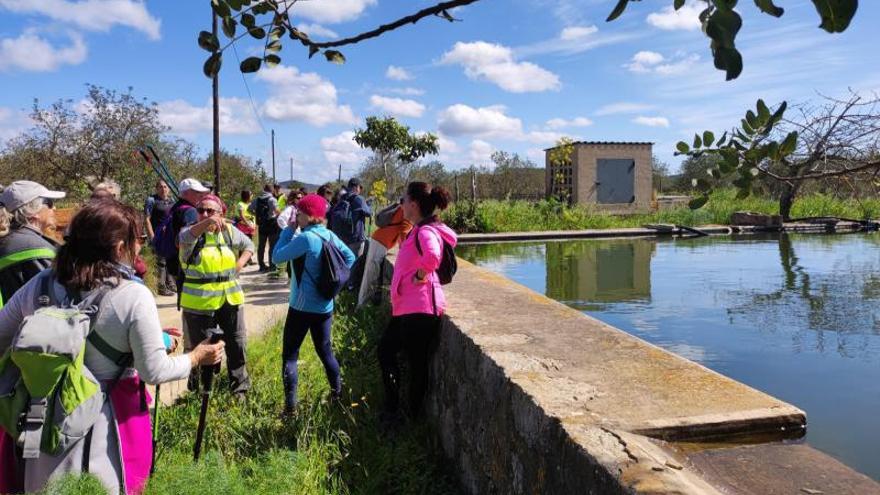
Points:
[(587, 275), (833, 309), (795, 316)]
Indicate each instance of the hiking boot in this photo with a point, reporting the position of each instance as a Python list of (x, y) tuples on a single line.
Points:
[(288, 413), (264, 269), (164, 291)]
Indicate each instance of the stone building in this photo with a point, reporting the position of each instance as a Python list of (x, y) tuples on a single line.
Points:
[(611, 176)]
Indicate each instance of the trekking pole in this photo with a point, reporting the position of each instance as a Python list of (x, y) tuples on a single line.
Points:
[(214, 334), (155, 428), (171, 182), (163, 176)]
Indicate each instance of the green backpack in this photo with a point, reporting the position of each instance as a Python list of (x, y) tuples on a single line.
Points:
[(49, 399)]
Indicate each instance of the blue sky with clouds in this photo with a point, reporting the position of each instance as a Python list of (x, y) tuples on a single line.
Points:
[(513, 75)]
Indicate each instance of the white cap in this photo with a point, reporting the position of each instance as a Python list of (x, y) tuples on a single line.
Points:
[(22, 192), (191, 185)]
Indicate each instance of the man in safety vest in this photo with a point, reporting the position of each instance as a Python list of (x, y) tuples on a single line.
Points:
[(210, 295), (27, 209)]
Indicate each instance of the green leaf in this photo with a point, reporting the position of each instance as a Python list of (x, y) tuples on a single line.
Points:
[(271, 60), (212, 65), (698, 143), (698, 202), (207, 41), (836, 14), (677, 4), (708, 138), (682, 147), (229, 27), (313, 50), (722, 140), (235, 4), (788, 144), (722, 27), (773, 150), (276, 33), (777, 115), (618, 9), (334, 56), (747, 129), (752, 119), (763, 113), (258, 33), (767, 7), (248, 20), (250, 64), (220, 7), (273, 47)]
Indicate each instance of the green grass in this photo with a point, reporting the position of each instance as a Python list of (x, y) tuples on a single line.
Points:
[(522, 216), (329, 447)]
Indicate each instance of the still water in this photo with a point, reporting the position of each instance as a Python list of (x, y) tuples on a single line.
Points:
[(796, 316)]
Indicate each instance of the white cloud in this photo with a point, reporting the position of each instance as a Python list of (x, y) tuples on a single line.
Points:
[(317, 30), (446, 144), (12, 123), (652, 121), (236, 117), (577, 32), (480, 152), (91, 15), (332, 11), (686, 18), (459, 120), (488, 122), (406, 91), (495, 63), (398, 106), (623, 107), (29, 52), (563, 123), (645, 62), (398, 73), (341, 149), (302, 96)]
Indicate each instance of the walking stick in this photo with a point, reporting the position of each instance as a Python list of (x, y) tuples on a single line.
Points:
[(155, 428), (214, 334)]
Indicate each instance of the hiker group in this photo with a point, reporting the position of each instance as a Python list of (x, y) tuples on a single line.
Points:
[(80, 334)]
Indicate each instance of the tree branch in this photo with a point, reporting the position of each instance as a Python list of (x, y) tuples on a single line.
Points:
[(410, 19), (822, 175)]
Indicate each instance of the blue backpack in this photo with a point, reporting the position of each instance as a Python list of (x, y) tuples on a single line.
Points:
[(334, 272), (165, 239)]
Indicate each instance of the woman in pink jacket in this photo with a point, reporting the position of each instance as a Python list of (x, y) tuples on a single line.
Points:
[(417, 301)]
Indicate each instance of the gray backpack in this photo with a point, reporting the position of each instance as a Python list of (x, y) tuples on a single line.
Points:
[(49, 399)]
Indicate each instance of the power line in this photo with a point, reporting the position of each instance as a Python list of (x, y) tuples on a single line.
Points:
[(250, 96)]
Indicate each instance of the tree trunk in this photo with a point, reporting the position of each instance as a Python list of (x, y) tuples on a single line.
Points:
[(786, 199)]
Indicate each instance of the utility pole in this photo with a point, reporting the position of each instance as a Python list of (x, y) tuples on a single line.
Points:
[(291, 169), (274, 180), (215, 89), (339, 178)]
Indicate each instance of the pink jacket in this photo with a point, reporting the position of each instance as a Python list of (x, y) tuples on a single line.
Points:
[(408, 297)]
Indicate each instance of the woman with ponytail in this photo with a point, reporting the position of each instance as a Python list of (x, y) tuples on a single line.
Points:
[(417, 300)]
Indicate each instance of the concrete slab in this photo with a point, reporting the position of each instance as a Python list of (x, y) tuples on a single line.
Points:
[(776, 469), (265, 305), (583, 371)]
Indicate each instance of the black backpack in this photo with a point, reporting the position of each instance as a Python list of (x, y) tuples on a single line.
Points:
[(334, 271), (342, 220), (448, 263), (264, 212)]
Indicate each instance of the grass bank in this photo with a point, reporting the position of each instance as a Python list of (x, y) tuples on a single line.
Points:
[(523, 216), (328, 448)]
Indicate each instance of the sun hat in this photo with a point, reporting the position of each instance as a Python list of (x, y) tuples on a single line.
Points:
[(313, 205), (22, 192), (192, 185)]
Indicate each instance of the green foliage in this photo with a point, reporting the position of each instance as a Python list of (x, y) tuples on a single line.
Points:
[(721, 24), (327, 447), (522, 216)]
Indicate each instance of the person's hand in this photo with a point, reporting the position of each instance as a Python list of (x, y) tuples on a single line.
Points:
[(419, 277), (175, 340), (206, 353)]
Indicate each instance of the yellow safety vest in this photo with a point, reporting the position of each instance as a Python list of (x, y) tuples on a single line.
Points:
[(212, 281)]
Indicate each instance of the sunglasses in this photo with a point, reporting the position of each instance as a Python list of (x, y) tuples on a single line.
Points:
[(49, 202), (206, 211)]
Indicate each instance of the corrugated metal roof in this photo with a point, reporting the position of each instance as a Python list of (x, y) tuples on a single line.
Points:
[(606, 143)]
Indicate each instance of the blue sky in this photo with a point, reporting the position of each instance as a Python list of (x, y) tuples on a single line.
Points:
[(512, 75)]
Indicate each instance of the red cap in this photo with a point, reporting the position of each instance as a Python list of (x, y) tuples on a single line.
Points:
[(313, 205), (216, 199)]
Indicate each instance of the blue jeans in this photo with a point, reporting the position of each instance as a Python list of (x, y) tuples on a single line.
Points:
[(295, 328)]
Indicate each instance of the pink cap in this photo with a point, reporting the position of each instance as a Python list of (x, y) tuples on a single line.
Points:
[(313, 205)]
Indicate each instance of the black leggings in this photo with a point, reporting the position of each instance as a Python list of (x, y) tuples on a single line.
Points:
[(416, 334)]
